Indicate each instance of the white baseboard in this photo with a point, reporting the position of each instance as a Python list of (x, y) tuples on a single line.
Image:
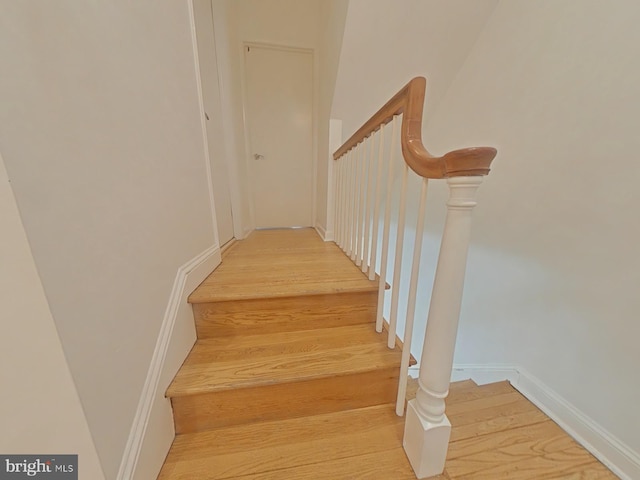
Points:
[(607, 448), (152, 431), (246, 233), (483, 374), (620, 459), (327, 236)]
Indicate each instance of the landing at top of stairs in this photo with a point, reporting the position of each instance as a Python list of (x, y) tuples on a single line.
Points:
[(282, 263)]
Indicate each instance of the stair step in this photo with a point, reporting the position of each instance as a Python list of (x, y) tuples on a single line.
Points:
[(282, 343), (294, 448), (243, 379), (280, 264), (311, 355), (268, 315)]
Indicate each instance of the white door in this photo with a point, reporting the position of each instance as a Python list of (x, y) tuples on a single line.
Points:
[(279, 108), (215, 134)]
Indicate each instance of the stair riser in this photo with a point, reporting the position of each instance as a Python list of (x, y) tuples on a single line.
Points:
[(203, 412), (258, 316)]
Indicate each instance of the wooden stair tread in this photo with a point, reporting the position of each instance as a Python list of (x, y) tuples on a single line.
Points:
[(281, 343), (295, 446), (319, 359), (282, 263)]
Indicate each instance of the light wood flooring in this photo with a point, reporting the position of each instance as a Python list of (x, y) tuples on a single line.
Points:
[(497, 434), (289, 381)]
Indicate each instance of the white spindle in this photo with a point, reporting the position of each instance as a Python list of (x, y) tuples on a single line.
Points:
[(367, 218), (343, 200), (382, 285), (413, 294), (376, 208), (336, 201), (356, 202), (352, 203), (361, 190), (397, 266), (427, 428)]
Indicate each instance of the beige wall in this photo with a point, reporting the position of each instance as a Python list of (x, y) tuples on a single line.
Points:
[(101, 136), (388, 42), (333, 14), (554, 273), (40, 411)]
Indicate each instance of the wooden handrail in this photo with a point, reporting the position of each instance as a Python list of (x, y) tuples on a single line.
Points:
[(409, 101)]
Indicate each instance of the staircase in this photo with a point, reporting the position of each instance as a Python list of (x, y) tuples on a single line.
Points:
[(287, 368), (289, 380)]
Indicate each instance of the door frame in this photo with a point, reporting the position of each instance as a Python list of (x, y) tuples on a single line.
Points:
[(314, 120)]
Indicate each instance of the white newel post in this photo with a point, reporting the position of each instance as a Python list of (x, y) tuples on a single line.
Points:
[(427, 428)]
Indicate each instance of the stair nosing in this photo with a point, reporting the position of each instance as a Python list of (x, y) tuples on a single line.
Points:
[(221, 299)]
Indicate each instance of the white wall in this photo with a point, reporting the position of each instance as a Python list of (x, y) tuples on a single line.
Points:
[(388, 42), (40, 410), (229, 81), (554, 273), (102, 140), (333, 15)]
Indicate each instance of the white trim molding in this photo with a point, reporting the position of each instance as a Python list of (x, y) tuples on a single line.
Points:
[(323, 233), (152, 430), (606, 447)]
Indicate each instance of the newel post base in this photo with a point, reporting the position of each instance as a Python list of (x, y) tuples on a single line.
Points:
[(425, 442)]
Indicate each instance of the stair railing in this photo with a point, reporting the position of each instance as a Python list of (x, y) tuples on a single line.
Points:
[(361, 165)]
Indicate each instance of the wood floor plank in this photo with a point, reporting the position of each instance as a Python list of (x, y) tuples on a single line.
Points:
[(572, 460), (545, 440), (496, 420), (457, 409), (388, 465), (505, 439)]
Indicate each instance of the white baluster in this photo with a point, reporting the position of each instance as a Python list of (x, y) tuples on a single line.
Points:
[(382, 285), (356, 202), (369, 201), (351, 204), (361, 190), (413, 294), (376, 208), (397, 268), (345, 200), (427, 428), (336, 199)]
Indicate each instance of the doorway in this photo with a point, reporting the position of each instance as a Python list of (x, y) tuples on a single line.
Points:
[(279, 122)]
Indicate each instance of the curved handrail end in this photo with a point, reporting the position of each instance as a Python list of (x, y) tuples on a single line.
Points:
[(468, 162)]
